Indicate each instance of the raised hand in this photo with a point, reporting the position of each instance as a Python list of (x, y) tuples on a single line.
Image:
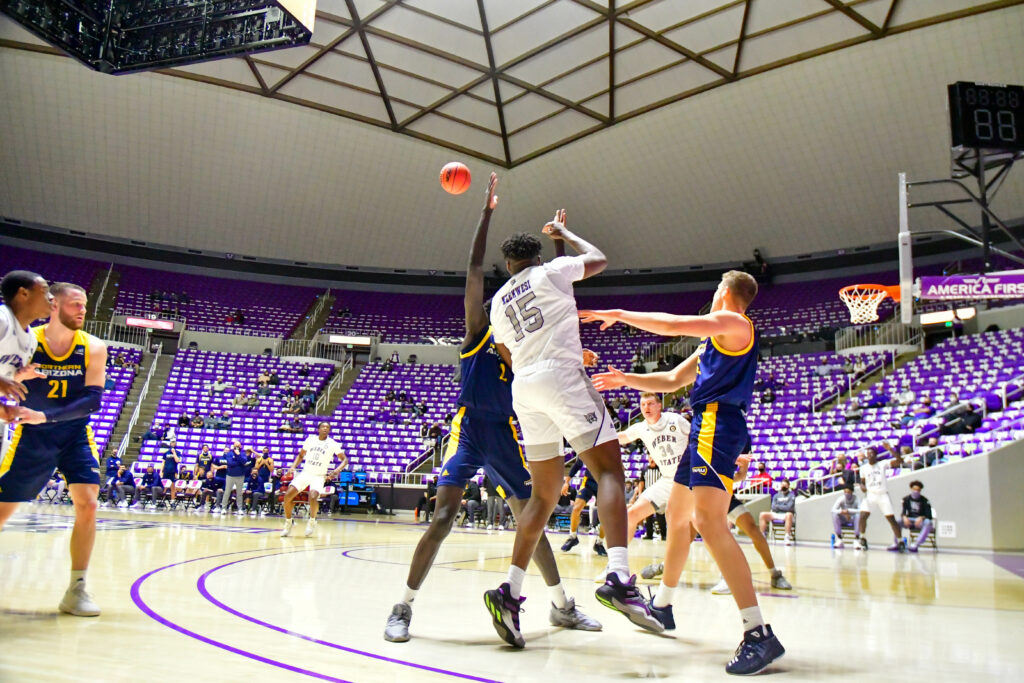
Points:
[(13, 389), (30, 371), (613, 379), (492, 199), (606, 318), (556, 227)]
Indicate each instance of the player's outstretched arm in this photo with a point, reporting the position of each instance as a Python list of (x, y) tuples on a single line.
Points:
[(659, 382), (343, 465), (476, 317), (594, 260), (713, 324)]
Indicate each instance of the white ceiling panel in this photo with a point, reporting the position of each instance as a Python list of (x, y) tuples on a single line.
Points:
[(500, 12), (645, 57), (725, 58), (908, 11), (437, 34), (661, 14), (459, 134), (417, 61), (538, 28), (325, 31), (625, 36), (582, 83), (766, 15), (485, 90), (874, 11), (527, 109), (336, 96), (345, 69), (271, 74), (465, 13), (655, 88), (828, 29), (473, 111), (289, 58), (233, 70), (710, 32), (549, 132), (338, 8), (411, 89), (564, 56)]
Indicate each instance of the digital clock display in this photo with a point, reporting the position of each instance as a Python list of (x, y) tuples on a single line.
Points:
[(987, 116)]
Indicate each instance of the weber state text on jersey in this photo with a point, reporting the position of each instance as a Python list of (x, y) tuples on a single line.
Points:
[(486, 380)]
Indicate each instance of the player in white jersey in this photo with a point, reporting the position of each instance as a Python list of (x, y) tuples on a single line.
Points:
[(666, 436), (536, 330), (26, 298), (316, 454), (873, 473)]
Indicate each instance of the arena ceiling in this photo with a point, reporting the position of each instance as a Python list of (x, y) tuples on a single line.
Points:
[(616, 109)]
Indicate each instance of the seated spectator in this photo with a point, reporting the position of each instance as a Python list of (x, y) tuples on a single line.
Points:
[(471, 501), (183, 419), (183, 475), (263, 379), (252, 402), (934, 455), (264, 390), (495, 504), (293, 407), (293, 426), (846, 512), (155, 432), (306, 391), (274, 379), (783, 510), (304, 370), (907, 396), (854, 412), (762, 481), (768, 395), (219, 386), (118, 361), (152, 485), (427, 501), (221, 421), (109, 383), (387, 366), (197, 421), (122, 488), (254, 493), (395, 357), (917, 514), (240, 400), (53, 492), (841, 473), (390, 396), (860, 367)]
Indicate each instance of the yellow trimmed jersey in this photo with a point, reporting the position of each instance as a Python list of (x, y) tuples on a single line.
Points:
[(486, 380), (725, 377), (65, 376)]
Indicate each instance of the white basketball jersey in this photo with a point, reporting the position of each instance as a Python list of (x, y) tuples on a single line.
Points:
[(319, 454), (666, 440), (16, 344), (873, 476), (534, 314)]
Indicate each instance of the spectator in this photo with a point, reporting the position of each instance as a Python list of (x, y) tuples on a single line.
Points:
[(304, 370), (387, 366), (263, 379), (762, 481), (846, 512), (390, 396), (54, 489), (152, 485), (860, 367), (205, 458), (221, 421), (253, 402), (274, 379), (208, 490), (426, 503), (113, 466), (921, 411), (472, 500), (240, 400), (934, 455), (254, 494), (155, 432), (235, 476), (495, 504), (421, 409), (264, 390), (853, 412), (250, 460), (293, 426), (907, 396), (172, 458), (123, 486), (917, 514), (306, 391), (183, 419), (197, 421), (435, 434), (768, 395), (841, 473), (293, 407), (395, 357), (265, 465), (783, 510), (219, 386)]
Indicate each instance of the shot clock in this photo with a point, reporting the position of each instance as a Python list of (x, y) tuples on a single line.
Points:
[(987, 116)]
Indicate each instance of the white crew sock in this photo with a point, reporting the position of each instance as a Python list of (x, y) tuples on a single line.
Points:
[(751, 618), (409, 595), (572, 534), (618, 562), (515, 580), (77, 575), (663, 597), (558, 598)]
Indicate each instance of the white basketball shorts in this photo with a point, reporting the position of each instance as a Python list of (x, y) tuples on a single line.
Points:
[(313, 480), (657, 494)]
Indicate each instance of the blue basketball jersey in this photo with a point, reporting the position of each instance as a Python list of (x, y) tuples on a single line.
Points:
[(486, 380), (725, 376), (65, 377)]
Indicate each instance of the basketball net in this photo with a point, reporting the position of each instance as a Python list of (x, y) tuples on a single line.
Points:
[(863, 301)]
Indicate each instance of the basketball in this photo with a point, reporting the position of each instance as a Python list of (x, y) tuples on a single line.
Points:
[(455, 178)]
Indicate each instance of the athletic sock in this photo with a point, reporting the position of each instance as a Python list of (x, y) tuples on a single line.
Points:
[(409, 595), (776, 572), (515, 580), (558, 598), (618, 562), (663, 597), (572, 534), (751, 618), (76, 576)]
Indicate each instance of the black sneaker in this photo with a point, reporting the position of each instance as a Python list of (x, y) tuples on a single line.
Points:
[(625, 598), (664, 615), (599, 549), (758, 649), (571, 543), (504, 611)]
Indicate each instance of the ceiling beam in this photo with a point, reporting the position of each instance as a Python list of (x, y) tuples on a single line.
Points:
[(856, 16), (564, 101), (611, 62), (889, 15), (373, 64), (256, 73), (494, 83), (742, 40)]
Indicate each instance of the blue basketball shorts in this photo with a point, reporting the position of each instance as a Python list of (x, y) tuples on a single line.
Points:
[(36, 450), (481, 440), (718, 435)]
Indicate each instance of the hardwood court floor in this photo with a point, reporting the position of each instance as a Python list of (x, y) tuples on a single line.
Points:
[(199, 597)]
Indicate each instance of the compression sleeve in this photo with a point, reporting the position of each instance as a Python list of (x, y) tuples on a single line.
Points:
[(576, 467), (83, 406)]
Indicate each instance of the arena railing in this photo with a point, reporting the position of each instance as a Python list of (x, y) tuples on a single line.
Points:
[(118, 333), (883, 337), (103, 288), (1010, 384), (852, 380), (324, 402), (122, 447), (427, 454), (303, 331)]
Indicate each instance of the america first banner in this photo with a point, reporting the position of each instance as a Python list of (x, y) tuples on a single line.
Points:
[(957, 287)]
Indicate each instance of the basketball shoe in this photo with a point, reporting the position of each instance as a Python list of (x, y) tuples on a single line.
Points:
[(505, 611)]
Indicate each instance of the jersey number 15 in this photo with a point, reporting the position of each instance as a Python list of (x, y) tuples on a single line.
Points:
[(532, 318)]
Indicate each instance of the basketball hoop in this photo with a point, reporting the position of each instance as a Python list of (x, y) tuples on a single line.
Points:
[(863, 300)]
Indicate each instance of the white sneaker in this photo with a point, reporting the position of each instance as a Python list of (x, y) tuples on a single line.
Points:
[(721, 588), (287, 530), (789, 540), (839, 544), (77, 601), (310, 528), (490, 527)]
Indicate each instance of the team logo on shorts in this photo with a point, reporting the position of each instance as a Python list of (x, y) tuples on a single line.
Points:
[(702, 471), (591, 417)]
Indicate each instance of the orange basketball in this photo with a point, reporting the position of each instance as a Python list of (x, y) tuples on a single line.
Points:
[(455, 178)]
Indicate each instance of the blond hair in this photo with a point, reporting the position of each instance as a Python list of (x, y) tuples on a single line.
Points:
[(742, 286)]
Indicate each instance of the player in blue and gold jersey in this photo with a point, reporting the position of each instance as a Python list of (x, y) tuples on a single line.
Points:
[(722, 372), (53, 430), (483, 435)]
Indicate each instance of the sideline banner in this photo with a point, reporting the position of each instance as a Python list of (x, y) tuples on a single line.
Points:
[(955, 287)]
